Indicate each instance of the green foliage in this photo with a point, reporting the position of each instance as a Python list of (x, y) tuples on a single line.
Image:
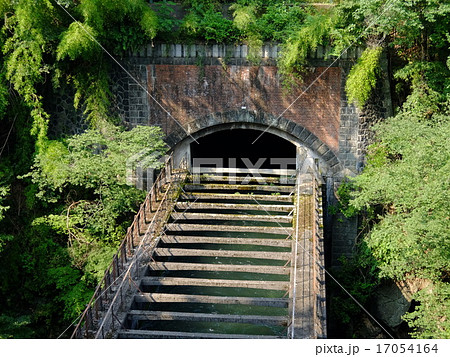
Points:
[(359, 276), (5, 6), (94, 163), (93, 160), (297, 46), (404, 187), (363, 76), (430, 86), (266, 21), (118, 25), (3, 96), (412, 188), (4, 239), (168, 24), (205, 20), (71, 290), (31, 25), (407, 179), (77, 43), (344, 195), (15, 327), (92, 91), (246, 20), (82, 184), (431, 317), (3, 192), (60, 226)]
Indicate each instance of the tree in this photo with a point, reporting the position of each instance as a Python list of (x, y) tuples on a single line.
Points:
[(51, 260), (406, 183)]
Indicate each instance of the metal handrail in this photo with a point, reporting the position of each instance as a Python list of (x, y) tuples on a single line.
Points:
[(110, 311), (119, 264)]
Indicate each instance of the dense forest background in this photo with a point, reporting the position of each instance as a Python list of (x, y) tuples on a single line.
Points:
[(64, 201)]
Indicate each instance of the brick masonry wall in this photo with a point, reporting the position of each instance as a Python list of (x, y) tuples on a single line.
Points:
[(194, 81), (191, 82), (189, 92)]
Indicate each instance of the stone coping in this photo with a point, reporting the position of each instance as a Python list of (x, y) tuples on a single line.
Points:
[(268, 51)]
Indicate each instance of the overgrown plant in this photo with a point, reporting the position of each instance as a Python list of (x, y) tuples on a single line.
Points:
[(300, 43), (359, 275), (363, 76), (407, 177), (85, 180)]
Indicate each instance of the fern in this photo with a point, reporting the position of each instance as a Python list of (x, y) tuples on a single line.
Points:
[(24, 62), (76, 43), (363, 76)]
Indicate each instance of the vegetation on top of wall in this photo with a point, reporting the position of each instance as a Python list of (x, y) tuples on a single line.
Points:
[(362, 78)]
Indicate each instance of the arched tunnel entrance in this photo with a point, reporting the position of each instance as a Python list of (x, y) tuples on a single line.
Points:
[(242, 148)]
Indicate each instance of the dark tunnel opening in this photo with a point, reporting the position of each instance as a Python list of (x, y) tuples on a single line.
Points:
[(238, 147)]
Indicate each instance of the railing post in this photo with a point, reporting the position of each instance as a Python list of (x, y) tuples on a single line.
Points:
[(88, 324)]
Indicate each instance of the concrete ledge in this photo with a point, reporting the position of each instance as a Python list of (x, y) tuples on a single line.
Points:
[(246, 188), (226, 240), (188, 316), (234, 206), (230, 217), (179, 227), (263, 269), (256, 199), (176, 334), (206, 299), (220, 283), (269, 52), (179, 252)]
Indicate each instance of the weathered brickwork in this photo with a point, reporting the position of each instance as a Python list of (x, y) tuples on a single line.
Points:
[(186, 89), (204, 86), (196, 83), (189, 92)]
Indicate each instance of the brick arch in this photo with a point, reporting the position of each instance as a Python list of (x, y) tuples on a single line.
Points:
[(245, 119)]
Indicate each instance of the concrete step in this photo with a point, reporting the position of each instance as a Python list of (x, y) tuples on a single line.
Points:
[(135, 334), (202, 317), (230, 217), (234, 206), (207, 299), (244, 179), (245, 188), (263, 269), (177, 252), (245, 171), (241, 197), (183, 227), (226, 240), (251, 284)]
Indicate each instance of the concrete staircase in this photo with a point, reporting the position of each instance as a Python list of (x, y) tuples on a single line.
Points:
[(221, 268)]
